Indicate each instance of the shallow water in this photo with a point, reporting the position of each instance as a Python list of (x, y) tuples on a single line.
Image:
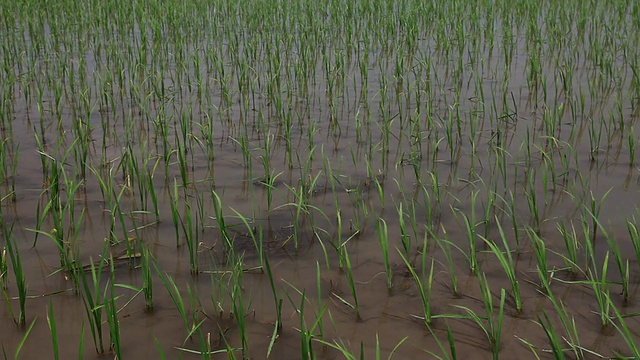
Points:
[(354, 116)]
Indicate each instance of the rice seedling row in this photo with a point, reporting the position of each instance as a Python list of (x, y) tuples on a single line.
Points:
[(302, 179)]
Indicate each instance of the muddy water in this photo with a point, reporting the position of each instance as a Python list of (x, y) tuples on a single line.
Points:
[(430, 139)]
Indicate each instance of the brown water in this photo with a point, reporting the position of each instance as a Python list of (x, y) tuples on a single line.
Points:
[(452, 121)]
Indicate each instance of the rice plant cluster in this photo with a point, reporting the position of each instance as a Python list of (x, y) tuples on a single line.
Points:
[(319, 179)]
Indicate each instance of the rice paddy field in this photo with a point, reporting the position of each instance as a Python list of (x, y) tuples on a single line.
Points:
[(319, 179)]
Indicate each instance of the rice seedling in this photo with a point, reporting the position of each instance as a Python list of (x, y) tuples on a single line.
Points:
[(22, 341), (552, 336), (53, 330), (175, 213), (307, 335), (278, 306), (593, 210), (112, 199), (423, 290), (532, 201), (147, 275), (219, 291), (265, 158), (600, 287), (343, 349), (18, 273), (238, 308), (321, 303), (507, 263), (270, 181), (379, 184), (572, 337), (445, 245), (300, 208), (634, 235), (490, 210), (595, 137), (451, 354), (93, 300), (227, 241), (191, 236), (352, 286), (119, 213), (181, 152), (623, 269), (383, 239), (491, 323), (56, 209), (4, 268), (192, 323), (339, 244), (469, 226), (511, 211), (255, 232), (542, 269), (404, 236), (626, 332), (572, 246), (243, 142), (111, 312)]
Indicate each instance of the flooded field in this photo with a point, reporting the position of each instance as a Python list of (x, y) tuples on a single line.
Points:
[(319, 179)]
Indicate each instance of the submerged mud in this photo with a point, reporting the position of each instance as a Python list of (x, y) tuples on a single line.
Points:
[(348, 174)]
